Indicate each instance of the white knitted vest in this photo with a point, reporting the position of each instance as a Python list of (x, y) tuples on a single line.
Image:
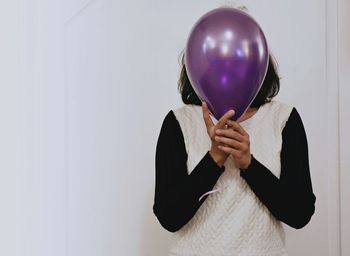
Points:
[(233, 221)]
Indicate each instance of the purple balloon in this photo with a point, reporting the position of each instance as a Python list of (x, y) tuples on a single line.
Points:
[(226, 59)]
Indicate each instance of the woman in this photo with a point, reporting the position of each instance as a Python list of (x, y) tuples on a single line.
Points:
[(256, 169)]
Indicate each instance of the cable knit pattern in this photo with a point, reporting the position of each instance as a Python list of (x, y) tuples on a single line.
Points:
[(233, 222)]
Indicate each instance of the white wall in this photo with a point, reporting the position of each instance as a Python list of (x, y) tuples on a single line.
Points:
[(85, 85), (344, 120)]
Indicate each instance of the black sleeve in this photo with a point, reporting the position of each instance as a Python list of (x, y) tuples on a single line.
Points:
[(176, 191), (289, 198)]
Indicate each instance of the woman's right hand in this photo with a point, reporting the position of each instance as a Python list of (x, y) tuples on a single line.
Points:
[(218, 155)]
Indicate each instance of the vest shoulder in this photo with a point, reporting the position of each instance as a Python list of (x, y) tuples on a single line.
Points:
[(187, 110), (280, 111), (280, 106), (185, 107)]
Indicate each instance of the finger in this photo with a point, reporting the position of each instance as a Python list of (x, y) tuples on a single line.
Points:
[(237, 126), (208, 122), (230, 133), (230, 142), (232, 151), (221, 123)]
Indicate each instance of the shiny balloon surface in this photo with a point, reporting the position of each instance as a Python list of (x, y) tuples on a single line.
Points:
[(226, 59)]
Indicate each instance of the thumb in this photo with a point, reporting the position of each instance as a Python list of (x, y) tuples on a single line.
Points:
[(208, 121)]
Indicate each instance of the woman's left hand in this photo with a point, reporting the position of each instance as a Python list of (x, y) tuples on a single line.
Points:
[(237, 143)]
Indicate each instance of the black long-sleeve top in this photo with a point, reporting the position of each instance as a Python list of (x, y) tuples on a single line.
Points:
[(289, 198)]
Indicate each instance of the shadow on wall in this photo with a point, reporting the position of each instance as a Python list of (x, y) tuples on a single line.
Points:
[(154, 240)]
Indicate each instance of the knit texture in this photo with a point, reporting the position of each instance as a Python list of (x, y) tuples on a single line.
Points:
[(233, 222)]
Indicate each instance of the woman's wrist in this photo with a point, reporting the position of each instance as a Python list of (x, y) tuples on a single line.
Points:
[(217, 157), (248, 164)]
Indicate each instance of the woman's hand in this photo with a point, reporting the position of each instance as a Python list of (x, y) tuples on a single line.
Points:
[(237, 143), (218, 155)]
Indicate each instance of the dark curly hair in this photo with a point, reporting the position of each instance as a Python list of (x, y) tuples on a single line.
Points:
[(268, 90)]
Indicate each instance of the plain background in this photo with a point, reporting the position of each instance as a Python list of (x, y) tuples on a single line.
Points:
[(85, 86)]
